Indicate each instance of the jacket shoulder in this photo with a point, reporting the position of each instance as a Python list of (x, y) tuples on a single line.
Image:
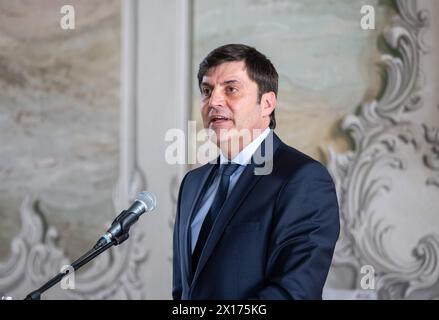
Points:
[(296, 165)]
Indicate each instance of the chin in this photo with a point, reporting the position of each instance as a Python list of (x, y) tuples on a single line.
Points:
[(229, 140), (219, 135)]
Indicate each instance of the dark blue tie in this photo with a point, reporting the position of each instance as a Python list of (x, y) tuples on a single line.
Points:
[(226, 170)]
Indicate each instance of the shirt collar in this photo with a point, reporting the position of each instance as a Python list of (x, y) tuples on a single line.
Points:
[(244, 157)]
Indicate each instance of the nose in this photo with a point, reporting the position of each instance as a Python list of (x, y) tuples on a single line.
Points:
[(216, 98)]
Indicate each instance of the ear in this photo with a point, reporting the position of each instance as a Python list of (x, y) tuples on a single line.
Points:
[(268, 103)]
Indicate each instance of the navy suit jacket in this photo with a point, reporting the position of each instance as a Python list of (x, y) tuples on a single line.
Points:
[(273, 239)]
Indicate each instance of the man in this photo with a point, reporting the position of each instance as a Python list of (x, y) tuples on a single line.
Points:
[(240, 234)]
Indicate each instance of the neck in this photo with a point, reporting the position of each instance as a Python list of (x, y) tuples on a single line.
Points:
[(235, 144)]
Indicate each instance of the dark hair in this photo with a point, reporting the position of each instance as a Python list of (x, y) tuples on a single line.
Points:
[(259, 68)]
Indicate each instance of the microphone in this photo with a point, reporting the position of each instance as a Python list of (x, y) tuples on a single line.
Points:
[(118, 232)]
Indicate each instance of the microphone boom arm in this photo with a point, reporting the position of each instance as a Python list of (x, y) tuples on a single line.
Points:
[(117, 234), (124, 221), (90, 255)]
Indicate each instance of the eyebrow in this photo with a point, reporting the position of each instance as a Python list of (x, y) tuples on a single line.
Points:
[(222, 83), (230, 81)]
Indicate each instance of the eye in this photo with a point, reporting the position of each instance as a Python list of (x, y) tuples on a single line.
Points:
[(205, 91), (231, 89)]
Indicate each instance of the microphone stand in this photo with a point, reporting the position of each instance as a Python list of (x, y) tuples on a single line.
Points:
[(90, 255), (124, 220)]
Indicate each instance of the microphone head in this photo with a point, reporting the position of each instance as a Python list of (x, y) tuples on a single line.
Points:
[(148, 199)]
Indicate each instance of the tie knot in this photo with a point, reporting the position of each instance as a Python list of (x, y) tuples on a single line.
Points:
[(229, 168)]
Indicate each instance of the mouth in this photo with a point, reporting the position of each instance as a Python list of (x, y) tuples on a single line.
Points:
[(218, 119)]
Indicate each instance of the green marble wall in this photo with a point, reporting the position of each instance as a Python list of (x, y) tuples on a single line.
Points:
[(59, 117), (326, 62)]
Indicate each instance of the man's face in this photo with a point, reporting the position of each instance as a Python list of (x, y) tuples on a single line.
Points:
[(229, 100)]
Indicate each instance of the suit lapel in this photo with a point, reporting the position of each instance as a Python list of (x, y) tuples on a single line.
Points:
[(194, 194), (244, 185)]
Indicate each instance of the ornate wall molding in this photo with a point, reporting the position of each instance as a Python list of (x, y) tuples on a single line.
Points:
[(431, 158), (384, 136)]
